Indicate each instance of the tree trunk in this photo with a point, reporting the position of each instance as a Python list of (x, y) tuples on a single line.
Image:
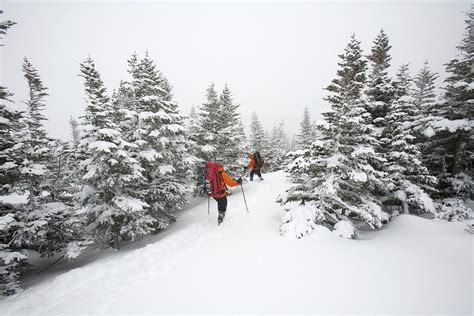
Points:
[(116, 242)]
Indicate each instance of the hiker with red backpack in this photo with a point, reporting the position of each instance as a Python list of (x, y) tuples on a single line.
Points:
[(216, 182), (256, 164)]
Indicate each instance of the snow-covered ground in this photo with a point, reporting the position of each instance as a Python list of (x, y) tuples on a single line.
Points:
[(413, 265)]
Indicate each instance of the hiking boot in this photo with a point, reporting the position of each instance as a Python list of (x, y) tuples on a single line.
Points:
[(220, 219)]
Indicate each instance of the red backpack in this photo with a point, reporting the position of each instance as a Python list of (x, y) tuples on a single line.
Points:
[(213, 179)]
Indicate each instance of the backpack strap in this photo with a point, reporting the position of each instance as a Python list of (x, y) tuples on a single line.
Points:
[(222, 184)]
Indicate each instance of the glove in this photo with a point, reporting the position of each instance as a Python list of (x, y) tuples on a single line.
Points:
[(244, 169), (239, 180)]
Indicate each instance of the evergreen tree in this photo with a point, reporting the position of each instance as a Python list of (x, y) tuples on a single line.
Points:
[(449, 149), (113, 194), (410, 178), (192, 123), (12, 262), (231, 135), (424, 99), (294, 143), (279, 147), (258, 139), (47, 223), (193, 128), (162, 143), (35, 170), (379, 87), (423, 90), (4, 26), (124, 113), (306, 135), (271, 157), (10, 147), (244, 147), (335, 178), (220, 134), (315, 130), (209, 126), (402, 83), (35, 143)]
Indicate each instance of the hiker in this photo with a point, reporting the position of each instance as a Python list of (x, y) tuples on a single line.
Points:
[(217, 181), (255, 163)]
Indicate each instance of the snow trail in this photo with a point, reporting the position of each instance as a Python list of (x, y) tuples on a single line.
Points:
[(244, 266)]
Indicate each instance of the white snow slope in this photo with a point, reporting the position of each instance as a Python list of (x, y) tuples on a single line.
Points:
[(413, 265)]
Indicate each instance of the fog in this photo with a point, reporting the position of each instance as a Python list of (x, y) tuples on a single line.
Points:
[(276, 57)]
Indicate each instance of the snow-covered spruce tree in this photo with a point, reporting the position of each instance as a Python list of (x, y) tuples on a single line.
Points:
[(35, 174), (449, 148), (220, 134), (335, 178), (258, 139), (192, 123), (208, 127), (162, 143), (379, 90), (47, 223), (302, 141), (192, 128), (293, 143), (411, 179), (306, 135), (402, 82), (315, 129), (245, 146), (4, 26), (279, 147), (114, 185), (424, 98), (121, 105), (423, 90), (232, 148), (11, 261), (10, 144), (34, 178), (271, 156), (66, 178)]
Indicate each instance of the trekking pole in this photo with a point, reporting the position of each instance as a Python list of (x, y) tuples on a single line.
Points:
[(208, 204), (246, 207)]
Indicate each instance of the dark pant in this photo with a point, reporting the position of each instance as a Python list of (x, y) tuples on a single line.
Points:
[(221, 207), (255, 171)]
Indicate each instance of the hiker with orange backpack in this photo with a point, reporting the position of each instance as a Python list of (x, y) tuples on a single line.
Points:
[(255, 164), (216, 182)]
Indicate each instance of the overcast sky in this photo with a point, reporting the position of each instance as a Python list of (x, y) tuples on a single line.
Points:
[(276, 57)]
